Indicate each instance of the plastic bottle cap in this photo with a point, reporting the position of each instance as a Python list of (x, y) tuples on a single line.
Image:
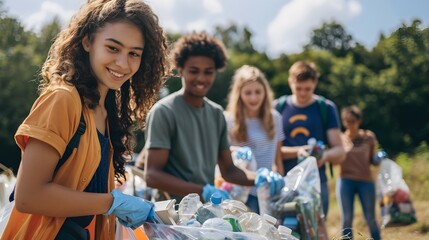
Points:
[(270, 219), (216, 198), (284, 230)]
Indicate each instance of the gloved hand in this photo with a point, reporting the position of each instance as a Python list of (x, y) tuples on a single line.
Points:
[(131, 211), (244, 153), (379, 155), (274, 179), (209, 189)]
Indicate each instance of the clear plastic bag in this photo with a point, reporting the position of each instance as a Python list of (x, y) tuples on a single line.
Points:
[(7, 183), (298, 206), (5, 214), (176, 232), (394, 195)]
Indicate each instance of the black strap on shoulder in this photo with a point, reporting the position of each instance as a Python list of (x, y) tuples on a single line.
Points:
[(281, 103), (74, 142), (323, 110)]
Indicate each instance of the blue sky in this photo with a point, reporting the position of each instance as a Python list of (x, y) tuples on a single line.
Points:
[(278, 26)]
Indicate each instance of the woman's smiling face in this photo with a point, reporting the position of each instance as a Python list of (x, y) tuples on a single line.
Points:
[(115, 53)]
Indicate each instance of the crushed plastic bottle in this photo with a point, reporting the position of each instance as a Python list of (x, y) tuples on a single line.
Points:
[(218, 223), (234, 207), (188, 206), (233, 221), (286, 233), (252, 222)]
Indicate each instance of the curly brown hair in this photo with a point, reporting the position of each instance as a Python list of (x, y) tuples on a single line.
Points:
[(199, 44), (68, 63)]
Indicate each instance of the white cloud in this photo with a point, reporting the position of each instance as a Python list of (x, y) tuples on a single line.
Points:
[(45, 14), (197, 25), (187, 15), (213, 6), (292, 26)]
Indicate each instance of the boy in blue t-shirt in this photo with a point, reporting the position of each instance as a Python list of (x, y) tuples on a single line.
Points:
[(302, 120)]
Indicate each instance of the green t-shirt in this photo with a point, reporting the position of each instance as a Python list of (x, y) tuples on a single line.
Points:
[(194, 136)]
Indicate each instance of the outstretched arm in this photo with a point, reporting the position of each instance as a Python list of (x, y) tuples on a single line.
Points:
[(336, 153), (233, 174), (278, 161), (288, 153), (156, 160)]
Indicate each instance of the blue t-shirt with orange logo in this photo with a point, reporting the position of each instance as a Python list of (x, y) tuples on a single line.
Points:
[(303, 123)]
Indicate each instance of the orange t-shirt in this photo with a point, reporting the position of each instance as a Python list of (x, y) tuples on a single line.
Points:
[(54, 119)]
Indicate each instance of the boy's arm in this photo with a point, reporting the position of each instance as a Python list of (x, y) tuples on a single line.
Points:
[(233, 174), (336, 153), (278, 161), (155, 161), (288, 152)]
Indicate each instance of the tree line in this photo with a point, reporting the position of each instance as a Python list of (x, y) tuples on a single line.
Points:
[(389, 82)]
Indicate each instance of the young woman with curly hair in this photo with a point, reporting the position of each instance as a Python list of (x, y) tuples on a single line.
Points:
[(106, 66)]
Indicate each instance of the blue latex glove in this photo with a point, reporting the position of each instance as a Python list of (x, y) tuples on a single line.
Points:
[(209, 189), (131, 211), (244, 153), (379, 155), (274, 179)]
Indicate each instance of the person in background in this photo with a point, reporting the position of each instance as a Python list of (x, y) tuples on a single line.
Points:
[(253, 122), (302, 120), (106, 66), (186, 134), (356, 177)]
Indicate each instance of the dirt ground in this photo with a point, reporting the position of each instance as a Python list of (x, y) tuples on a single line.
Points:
[(416, 231)]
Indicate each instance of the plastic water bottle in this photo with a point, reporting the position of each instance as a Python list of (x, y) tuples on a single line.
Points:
[(188, 206), (263, 192), (214, 206), (244, 159), (286, 233), (211, 209), (240, 193), (234, 207)]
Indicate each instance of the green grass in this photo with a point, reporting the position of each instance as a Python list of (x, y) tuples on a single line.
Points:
[(415, 169)]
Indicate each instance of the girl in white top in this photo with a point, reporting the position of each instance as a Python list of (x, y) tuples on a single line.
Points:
[(253, 122)]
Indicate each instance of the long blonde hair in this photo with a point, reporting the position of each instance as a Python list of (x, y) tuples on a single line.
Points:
[(243, 76)]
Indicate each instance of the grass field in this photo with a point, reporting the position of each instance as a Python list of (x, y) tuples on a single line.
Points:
[(416, 175)]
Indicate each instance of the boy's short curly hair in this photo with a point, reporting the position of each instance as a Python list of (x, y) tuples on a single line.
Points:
[(199, 44)]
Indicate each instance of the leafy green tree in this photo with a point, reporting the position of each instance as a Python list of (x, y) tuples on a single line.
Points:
[(402, 86), (17, 90), (21, 55), (332, 37), (235, 38)]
